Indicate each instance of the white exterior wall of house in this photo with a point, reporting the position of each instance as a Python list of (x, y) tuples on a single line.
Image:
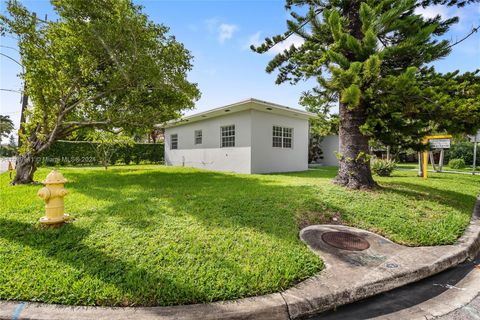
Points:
[(209, 154), (265, 157), (330, 145), (253, 151)]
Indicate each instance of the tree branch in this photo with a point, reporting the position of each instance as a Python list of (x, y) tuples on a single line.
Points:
[(474, 30), (86, 123)]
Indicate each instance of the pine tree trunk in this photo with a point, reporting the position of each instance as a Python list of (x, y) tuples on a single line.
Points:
[(354, 171), (25, 168)]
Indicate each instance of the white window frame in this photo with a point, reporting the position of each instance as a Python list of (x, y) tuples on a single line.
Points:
[(198, 136), (282, 137), (176, 141), (275, 134), (229, 136)]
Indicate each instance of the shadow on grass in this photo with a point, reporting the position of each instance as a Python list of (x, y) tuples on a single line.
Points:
[(138, 286), (140, 197), (266, 204), (448, 198), (216, 199)]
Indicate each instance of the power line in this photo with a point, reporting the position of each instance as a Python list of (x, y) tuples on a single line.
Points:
[(11, 90), (14, 60), (8, 47)]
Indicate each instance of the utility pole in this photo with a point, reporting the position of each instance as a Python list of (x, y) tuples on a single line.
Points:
[(22, 115)]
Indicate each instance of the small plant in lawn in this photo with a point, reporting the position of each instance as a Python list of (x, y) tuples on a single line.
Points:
[(383, 168), (106, 144), (456, 164)]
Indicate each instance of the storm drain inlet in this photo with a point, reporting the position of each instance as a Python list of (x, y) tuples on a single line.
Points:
[(345, 241)]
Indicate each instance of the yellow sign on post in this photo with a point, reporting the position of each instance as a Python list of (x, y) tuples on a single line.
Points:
[(441, 141)]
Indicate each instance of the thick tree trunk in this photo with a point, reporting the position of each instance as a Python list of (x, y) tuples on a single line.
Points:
[(25, 168), (354, 171)]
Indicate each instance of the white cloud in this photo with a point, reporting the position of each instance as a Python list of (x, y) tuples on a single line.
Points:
[(253, 39), (467, 17), (281, 46), (226, 31), (433, 11), (223, 31)]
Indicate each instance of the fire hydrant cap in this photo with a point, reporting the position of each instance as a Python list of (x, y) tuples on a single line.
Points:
[(54, 177)]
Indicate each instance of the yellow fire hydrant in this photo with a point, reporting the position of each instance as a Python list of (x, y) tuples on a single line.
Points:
[(53, 194)]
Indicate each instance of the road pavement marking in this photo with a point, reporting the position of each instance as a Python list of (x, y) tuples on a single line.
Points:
[(18, 310)]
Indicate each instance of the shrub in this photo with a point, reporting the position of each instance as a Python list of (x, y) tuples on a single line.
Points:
[(462, 150), (456, 163), (382, 167), (78, 153), (7, 151)]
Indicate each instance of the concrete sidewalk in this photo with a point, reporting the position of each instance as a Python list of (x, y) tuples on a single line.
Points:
[(450, 295), (443, 171), (349, 276)]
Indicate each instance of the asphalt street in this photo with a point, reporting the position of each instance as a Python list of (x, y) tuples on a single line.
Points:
[(451, 295)]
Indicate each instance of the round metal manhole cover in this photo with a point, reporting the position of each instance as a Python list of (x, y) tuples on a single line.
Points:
[(345, 241)]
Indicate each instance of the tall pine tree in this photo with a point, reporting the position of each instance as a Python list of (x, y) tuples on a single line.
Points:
[(364, 54)]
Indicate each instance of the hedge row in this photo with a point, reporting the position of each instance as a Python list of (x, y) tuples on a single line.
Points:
[(83, 153)]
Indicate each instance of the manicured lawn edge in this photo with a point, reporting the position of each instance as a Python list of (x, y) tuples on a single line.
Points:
[(260, 210)]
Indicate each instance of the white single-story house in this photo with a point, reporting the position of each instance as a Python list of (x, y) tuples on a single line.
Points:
[(250, 136)]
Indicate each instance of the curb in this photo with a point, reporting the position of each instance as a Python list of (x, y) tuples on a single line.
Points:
[(304, 299)]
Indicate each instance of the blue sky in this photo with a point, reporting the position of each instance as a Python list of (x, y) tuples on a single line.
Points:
[(218, 33)]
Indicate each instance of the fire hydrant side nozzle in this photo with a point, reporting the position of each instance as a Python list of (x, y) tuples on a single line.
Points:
[(53, 193), (44, 193)]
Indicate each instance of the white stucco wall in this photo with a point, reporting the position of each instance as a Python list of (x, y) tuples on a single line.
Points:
[(209, 154), (266, 158), (329, 145)]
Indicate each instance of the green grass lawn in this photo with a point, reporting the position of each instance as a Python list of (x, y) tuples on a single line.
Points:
[(153, 235)]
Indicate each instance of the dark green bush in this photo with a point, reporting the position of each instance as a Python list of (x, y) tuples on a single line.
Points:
[(456, 164), (7, 151), (78, 153), (383, 168), (462, 150)]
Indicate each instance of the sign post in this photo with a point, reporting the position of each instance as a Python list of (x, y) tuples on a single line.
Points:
[(436, 142)]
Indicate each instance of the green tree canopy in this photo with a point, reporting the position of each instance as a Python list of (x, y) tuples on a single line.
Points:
[(6, 127), (102, 63), (370, 57)]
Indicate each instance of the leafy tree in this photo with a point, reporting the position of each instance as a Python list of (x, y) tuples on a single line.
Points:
[(106, 143), (370, 57), (102, 63), (6, 127)]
